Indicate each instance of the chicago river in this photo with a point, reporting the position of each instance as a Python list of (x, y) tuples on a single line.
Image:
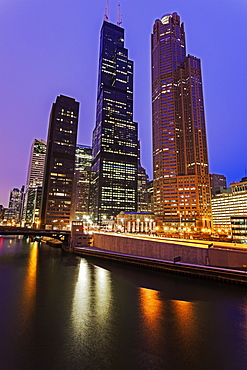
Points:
[(61, 311)]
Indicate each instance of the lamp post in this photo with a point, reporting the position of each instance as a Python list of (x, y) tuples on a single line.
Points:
[(180, 224)]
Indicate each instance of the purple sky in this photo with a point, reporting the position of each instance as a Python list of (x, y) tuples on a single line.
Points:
[(50, 47)]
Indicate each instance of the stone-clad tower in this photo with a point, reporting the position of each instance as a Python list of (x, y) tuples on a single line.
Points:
[(180, 159)]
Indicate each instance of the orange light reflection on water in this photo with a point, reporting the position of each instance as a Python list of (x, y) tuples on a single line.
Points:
[(27, 306), (29, 290), (151, 307), (185, 323)]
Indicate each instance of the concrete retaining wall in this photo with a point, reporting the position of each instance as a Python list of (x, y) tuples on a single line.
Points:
[(227, 258), (151, 248), (168, 251)]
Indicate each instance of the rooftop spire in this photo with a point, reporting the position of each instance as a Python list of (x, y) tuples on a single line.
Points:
[(119, 22), (106, 18)]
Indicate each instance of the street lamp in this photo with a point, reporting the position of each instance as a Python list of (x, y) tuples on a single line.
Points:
[(180, 224)]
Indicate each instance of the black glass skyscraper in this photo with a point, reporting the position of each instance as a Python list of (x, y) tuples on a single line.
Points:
[(56, 208), (114, 165)]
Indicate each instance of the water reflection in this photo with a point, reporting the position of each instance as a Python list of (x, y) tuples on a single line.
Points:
[(27, 307), (151, 307), (29, 289), (81, 300), (185, 315), (102, 293), (60, 314), (92, 297)]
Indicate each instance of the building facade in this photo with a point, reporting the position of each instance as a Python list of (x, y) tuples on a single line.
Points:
[(114, 163), (228, 204), (180, 159), (83, 162), (56, 207), (239, 228)]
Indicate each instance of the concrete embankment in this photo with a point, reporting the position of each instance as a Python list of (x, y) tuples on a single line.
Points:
[(200, 272), (188, 251), (189, 258)]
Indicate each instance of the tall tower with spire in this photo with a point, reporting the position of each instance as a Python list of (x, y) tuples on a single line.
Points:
[(114, 163), (180, 158)]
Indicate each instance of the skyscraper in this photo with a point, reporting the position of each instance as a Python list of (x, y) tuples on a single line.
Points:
[(32, 197), (36, 164), (114, 163), (15, 205), (180, 159), (56, 205), (83, 163)]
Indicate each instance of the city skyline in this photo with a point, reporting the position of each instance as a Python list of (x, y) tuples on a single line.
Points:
[(43, 71)]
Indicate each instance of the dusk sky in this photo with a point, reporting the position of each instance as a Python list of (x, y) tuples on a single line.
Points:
[(51, 47)]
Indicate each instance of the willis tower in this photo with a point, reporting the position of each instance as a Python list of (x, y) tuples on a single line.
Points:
[(114, 147)]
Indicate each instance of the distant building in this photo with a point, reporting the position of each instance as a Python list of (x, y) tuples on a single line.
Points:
[(83, 163), (135, 222), (31, 215), (150, 189), (32, 197), (56, 208), (142, 186), (180, 159), (114, 163), (15, 205), (216, 182), (1, 213), (229, 203), (36, 164)]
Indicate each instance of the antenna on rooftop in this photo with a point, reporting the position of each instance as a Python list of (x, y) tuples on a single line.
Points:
[(119, 22), (106, 18)]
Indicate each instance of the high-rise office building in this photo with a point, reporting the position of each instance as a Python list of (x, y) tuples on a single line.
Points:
[(83, 163), (56, 205), (114, 163), (15, 205), (36, 164), (180, 159), (32, 197)]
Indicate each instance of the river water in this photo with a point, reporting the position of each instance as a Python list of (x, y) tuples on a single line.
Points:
[(61, 311)]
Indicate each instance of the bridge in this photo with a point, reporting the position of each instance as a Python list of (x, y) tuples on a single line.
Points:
[(62, 235)]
